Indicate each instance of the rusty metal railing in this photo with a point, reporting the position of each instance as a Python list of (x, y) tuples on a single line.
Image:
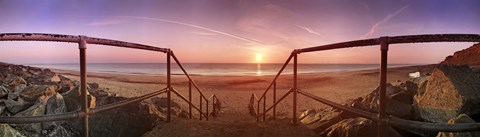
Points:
[(85, 111), (381, 118)]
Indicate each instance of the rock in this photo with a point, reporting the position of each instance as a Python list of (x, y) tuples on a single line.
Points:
[(410, 89), (451, 90), (76, 91), (462, 118), (400, 109), (75, 103), (2, 78), (142, 115), (58, 131), (161, 105), (15, 106), (32, 92), (66, 84), (53, 78), (93, 85), (352, 127), (319, 121), (356, 127), (3, 107), (92, 102), (14, 81), (251, 106), (7, 131), (35, 110), (4, 91), (469, 56), (55, 105), (19, 88), (398, 102)]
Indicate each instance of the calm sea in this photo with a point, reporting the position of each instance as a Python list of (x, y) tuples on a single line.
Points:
[(217, 69)]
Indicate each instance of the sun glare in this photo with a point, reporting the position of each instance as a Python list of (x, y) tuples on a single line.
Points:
[(259, 57)]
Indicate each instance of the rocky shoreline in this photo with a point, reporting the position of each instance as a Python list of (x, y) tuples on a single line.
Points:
[(448, 94), (30, 91)]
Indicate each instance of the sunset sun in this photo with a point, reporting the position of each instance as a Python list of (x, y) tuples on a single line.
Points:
[(258, 58)]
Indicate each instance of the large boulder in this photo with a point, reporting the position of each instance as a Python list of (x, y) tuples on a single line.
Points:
[(451, 90), (32, 92), (58, 131), (7, 131), (66, 84), (4, 91), (15, 106), (35, 128), (13, 80), (356, 127), (398, 102), (55, 105), (462, 118), (142, 115), (319, 121)]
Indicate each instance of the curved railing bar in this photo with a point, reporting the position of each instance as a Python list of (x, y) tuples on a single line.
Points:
[(398, 40), (125, 102), (276, 103), (398, 122), (278, 74), (361, 113), (75, 39), (186, 100), (186, 74), (75, 114)]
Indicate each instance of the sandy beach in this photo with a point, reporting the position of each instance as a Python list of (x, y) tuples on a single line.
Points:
[(235, 91)]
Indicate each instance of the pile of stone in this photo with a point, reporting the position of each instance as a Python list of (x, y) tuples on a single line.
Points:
[(449, 94), (28, 91)]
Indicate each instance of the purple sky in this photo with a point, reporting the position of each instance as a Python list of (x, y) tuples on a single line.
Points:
[(234, 31)]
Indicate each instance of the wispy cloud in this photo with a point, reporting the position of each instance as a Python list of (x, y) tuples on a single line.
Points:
[(203, 33), (196, 26), (308, 30), (376, 25), (106, 21)]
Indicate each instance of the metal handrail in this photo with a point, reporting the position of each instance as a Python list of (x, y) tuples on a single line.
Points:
[(274, 104), (85, 112), (398, 122), (202, 96), (76, 114), (273, 83), (382, 119), (75, 39)]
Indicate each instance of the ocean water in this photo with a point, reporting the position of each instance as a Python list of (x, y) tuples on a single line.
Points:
[(212, 69)]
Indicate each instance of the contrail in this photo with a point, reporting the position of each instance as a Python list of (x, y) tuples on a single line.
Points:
[(376, 25), (308, 30), (195, 26)]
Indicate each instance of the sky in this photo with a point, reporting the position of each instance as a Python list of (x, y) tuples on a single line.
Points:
[(235, 31)]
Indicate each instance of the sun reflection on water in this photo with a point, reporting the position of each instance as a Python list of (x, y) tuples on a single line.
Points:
[(259, 69)]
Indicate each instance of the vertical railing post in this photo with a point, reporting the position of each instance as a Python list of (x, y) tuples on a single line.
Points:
[(383, 88), (206, 101), (264, 105), (169, 87), (201, 104), (83, 82), (258, 109), (294, 116), (274, 99), (190, 98), (214, 105)]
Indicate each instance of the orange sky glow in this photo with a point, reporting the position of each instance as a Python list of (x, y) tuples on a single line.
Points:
[(237, 31)]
